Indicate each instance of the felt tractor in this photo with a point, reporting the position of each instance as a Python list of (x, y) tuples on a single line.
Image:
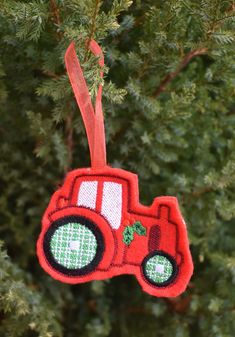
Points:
[(95, 228)]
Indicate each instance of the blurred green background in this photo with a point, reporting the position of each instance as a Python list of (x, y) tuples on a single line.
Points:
[(169, 117)]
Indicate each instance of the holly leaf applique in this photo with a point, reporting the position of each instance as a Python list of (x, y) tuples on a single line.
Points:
[(128, 233), (139, 228)]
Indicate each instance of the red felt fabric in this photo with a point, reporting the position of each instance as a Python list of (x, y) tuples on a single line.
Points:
[(119, 258)]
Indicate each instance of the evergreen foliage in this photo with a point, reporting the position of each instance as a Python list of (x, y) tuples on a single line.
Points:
[(169, 113)]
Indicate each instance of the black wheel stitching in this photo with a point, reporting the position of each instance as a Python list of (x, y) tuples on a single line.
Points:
[(170, 258), (67, 271)]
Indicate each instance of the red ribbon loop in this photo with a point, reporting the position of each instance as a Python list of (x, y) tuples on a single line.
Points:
[(93, 120)]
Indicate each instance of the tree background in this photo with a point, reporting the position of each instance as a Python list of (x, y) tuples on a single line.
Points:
[(169, 115)]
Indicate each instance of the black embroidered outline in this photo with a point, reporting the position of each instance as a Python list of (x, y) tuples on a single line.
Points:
[(85, 222), (170, 258), (130, 211)]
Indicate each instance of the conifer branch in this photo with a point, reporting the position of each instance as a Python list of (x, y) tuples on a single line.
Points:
[(198, 193), (55, 12), (169, 77), (56, 17), (93, 26), (51, 74), (69, 120), (69, 139), (179, 304)]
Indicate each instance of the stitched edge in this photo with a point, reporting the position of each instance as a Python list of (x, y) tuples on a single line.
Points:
[(85, 222), (129, 209), (173, 281)]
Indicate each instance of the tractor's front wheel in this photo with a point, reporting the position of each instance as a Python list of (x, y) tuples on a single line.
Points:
[(73, 245), (159, 268)]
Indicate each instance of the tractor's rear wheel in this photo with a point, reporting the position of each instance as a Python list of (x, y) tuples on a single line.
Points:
[(73, 245)]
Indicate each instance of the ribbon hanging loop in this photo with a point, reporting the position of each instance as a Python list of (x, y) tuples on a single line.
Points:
[(93, 119)]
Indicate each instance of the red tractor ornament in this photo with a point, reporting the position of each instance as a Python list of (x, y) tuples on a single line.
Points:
[(95, 228)]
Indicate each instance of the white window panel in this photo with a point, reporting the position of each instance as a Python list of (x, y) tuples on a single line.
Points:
[(87, 194), (111, 207)]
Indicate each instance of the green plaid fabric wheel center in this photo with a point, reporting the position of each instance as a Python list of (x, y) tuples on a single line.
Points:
[(73, 245), (159, 269)]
